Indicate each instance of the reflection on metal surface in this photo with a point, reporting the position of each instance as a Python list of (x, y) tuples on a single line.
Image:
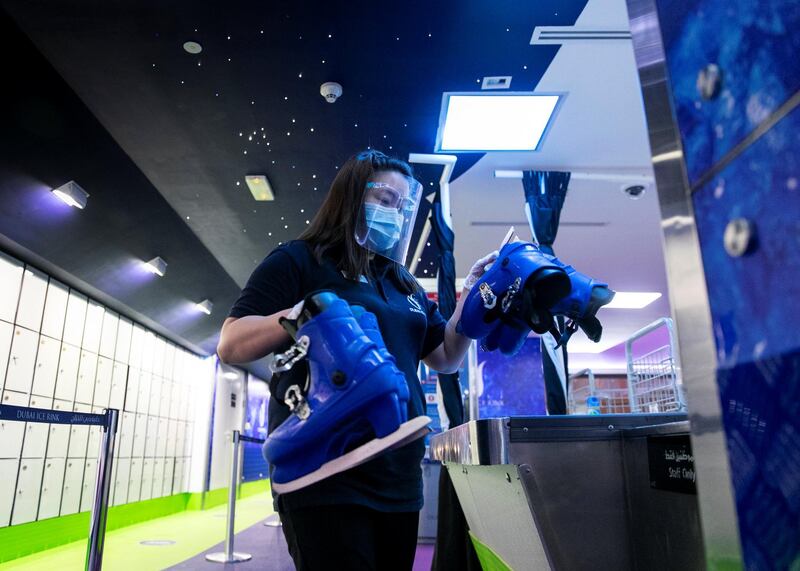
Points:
[(687, 288), (473, 443)]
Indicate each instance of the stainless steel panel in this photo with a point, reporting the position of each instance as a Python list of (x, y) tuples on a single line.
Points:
[(687, 289)]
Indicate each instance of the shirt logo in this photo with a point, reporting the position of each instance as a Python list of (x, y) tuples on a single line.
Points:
[(415, 306)]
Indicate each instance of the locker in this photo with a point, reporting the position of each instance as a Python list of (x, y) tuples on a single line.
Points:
[(135, 483), (123, 347), (177, 366), (35, 442), (29, 485), (75, 318), (94, 325), (154, 396), (158, 357), (95, 436), (125, 435), (55, 308), (119, 378), (31, 299), (169, 361), (143, 398), (22, 360), (87, 493), (132, 389), (59, 433), (148, 346), (8, 482), (11, 431), (73, 483), (172, 433), (121, 481), (178, 485), (150, 437), (165, 403), (161, 443), (147, 479), (137, 342), (169, 474), (87, 373), (158, 478), (108, 337), (102, 387), (180, 439), (6, 333), (52, 484), (139, 434), (78, 435), (10, 282), (67, 376), (44, 377)]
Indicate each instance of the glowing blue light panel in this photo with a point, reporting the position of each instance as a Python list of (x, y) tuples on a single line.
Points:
[(494, 122)]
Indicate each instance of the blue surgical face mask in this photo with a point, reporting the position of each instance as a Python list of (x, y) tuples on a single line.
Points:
[(384, 226)]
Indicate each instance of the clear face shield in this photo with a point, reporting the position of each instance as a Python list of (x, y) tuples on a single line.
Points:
[(387, 215)]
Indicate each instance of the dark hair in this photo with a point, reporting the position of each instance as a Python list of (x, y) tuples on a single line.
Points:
[(332, 231)]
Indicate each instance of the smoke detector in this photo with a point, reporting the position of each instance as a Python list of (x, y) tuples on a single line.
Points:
[(331, 91)]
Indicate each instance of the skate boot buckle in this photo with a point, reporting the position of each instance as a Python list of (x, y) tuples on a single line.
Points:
[(296, 402), (512, 291), (285, 361), (487, 295)]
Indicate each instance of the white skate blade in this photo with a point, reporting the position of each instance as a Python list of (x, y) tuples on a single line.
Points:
[(405, 433)]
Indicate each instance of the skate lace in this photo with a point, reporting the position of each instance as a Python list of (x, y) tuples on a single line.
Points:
[(285, 361)]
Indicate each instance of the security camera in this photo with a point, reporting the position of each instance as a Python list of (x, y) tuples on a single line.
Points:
[(634, 190), (331, 91)]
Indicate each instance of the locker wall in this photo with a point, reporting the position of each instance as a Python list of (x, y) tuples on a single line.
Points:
[(61, 350)]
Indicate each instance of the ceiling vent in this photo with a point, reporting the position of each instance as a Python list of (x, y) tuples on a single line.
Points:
[(496, 82), (549, 35)]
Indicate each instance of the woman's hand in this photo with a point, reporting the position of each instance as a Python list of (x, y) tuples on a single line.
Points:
[(478, 269)]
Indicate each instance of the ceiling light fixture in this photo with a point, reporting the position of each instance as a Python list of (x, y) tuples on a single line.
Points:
[(156, 266), (71, 193), (230, 375), (633, 299), (205, 306), (259, 187), (480, 122), (192, 47)]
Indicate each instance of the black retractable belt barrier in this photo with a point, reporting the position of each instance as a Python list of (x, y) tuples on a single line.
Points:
[(105, 460)]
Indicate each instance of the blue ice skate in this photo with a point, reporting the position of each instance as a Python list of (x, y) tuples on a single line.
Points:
[(509, 339), (518, 289), (351, 408)]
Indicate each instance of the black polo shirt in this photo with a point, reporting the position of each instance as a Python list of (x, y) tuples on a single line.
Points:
[(411, 326)]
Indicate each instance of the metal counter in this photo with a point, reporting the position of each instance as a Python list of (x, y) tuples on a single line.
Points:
[(578, 492)]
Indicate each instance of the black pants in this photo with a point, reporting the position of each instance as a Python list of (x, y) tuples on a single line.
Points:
[(351, 538)]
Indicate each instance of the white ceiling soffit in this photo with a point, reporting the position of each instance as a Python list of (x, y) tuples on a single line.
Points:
[(545, 35)]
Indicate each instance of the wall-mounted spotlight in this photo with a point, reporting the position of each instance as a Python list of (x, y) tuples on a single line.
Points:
[(205, 306), (156, 266), (72, 193)]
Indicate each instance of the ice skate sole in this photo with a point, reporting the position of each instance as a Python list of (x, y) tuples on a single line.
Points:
[(405, 433)]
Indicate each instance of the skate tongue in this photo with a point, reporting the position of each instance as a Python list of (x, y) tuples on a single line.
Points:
[(314, 304)]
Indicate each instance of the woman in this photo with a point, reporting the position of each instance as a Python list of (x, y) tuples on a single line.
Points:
[(365, 517)]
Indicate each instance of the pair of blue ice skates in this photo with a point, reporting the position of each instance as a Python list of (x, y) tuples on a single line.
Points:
[(522, 292), (353, 405)]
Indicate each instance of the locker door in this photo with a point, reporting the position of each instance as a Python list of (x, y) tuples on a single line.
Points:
[(26, 500), (95, 436), (31, 299), (126, 430), (139, 434), (123, 348), (102, 387), (143, 398), (108, 337), (155, 396), (150, 437), (158, 357), (165, 403), (73, 483), (35, 442), (161, 444), (75, 318), (169, 474), (89, 477), (10, 282), (59, 433), (147, 351), (67, 376), (78, 435), (169, 361), (22, 360), (93, 327), (172, 433), (180, 440), (11, 431), (121, 481), (6, 334), (147, 479), (87, 372), (175, 401), (55, 308), (158, 478), (135, 484), (178, 485), (137, 342), (8, 482), (118, 379), (44, 378), (52, 485)]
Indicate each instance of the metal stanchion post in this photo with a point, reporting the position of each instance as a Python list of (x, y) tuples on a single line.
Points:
[(229, 555), (105, 461)]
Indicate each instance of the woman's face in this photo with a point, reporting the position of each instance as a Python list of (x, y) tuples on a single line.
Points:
[(388, 189)]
